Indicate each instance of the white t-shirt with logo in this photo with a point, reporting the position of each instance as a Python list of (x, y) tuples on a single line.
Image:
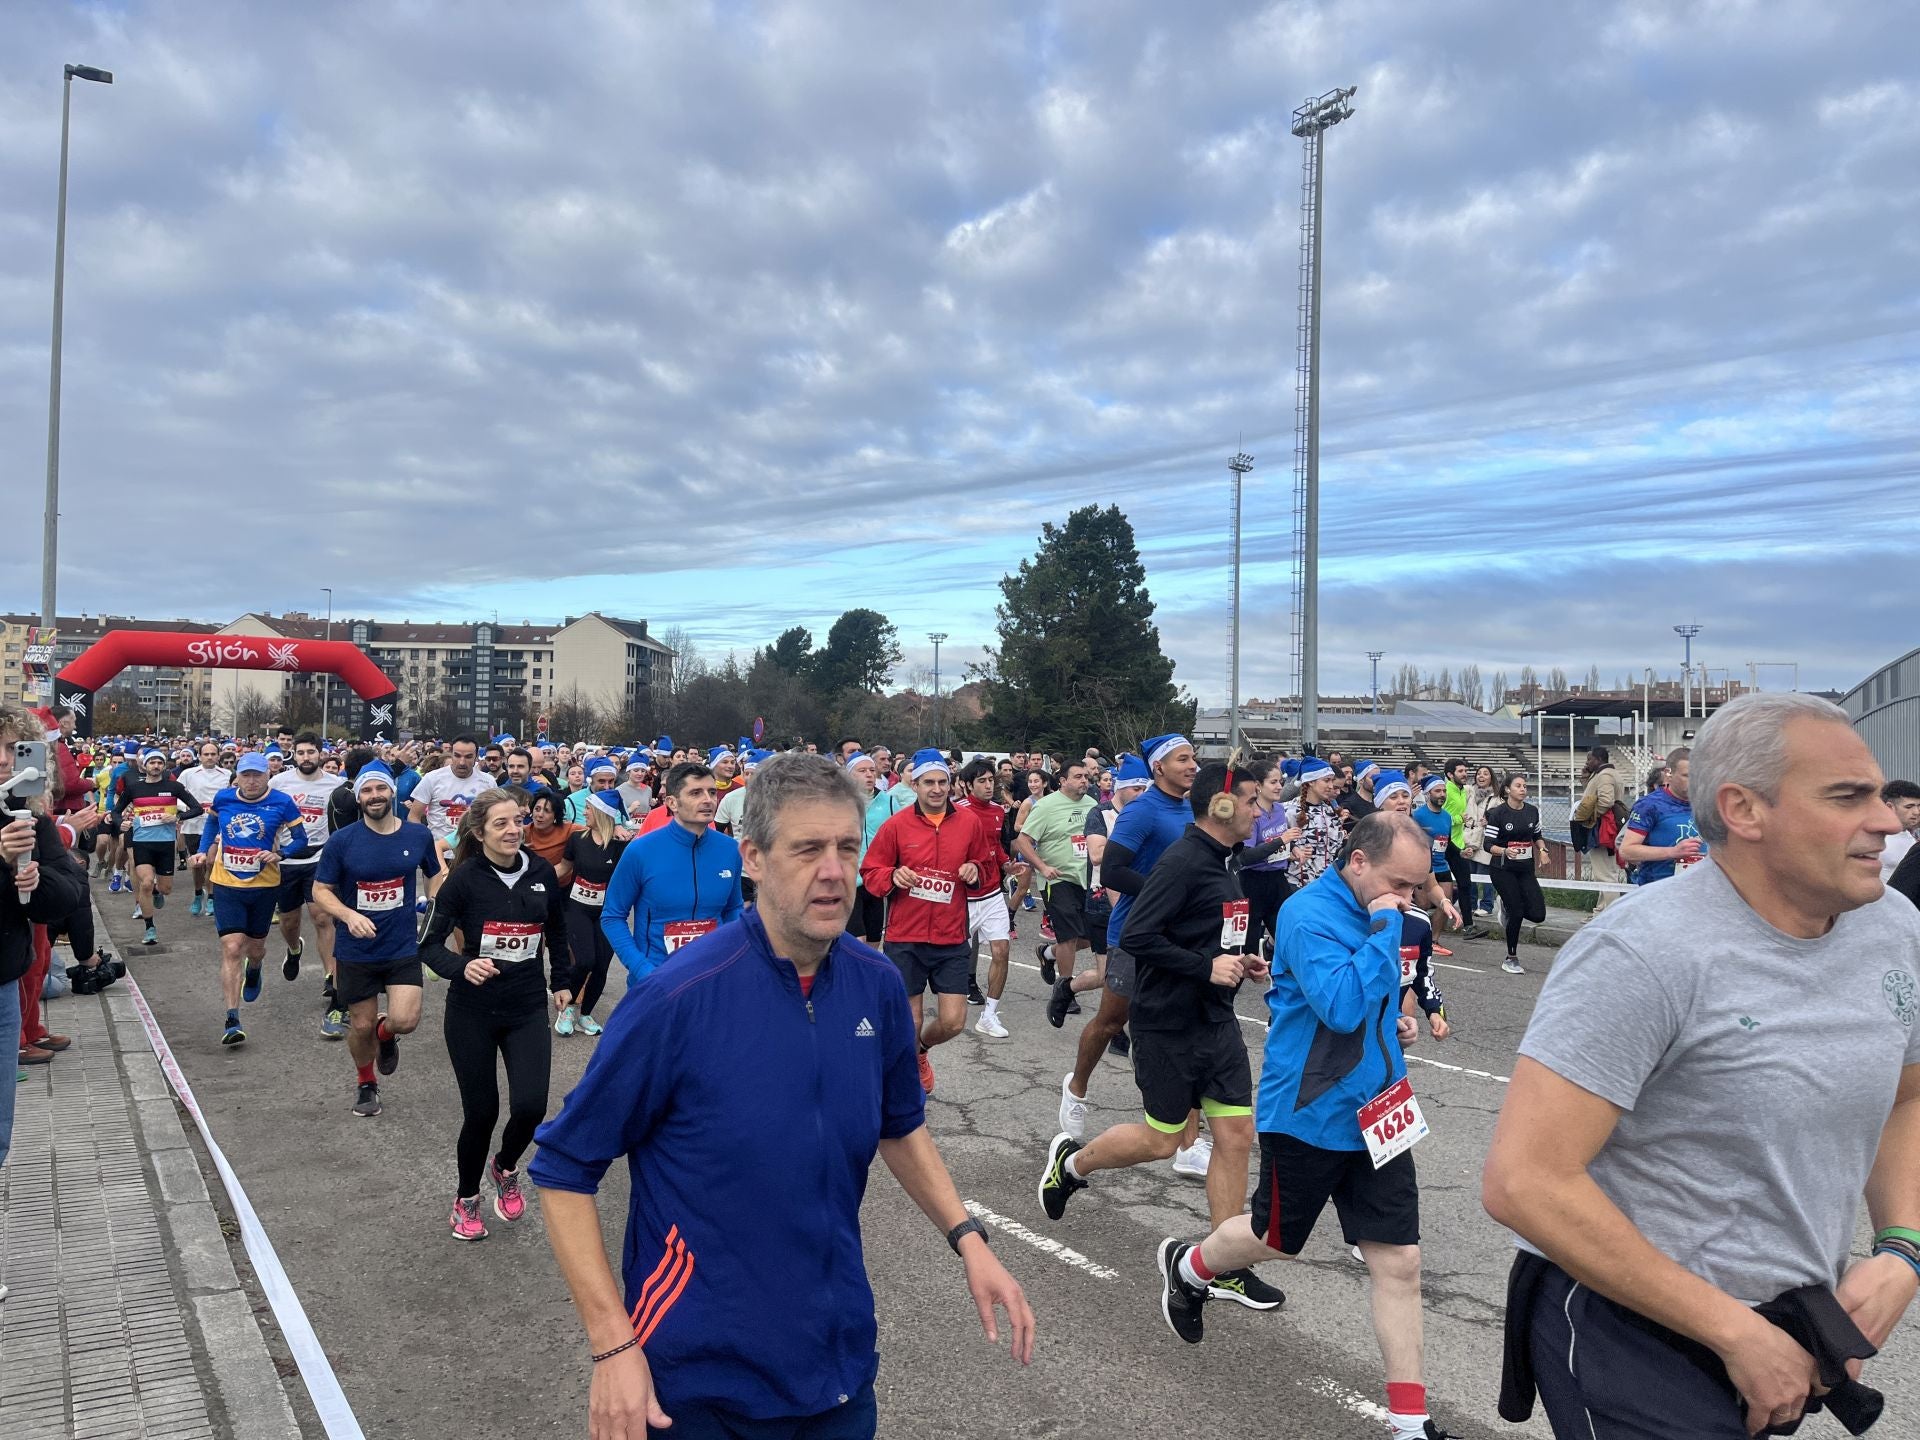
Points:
[(202, 784), (447, 797), (310, 793)]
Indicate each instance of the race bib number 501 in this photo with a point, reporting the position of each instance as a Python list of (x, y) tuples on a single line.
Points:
[(509, 942)]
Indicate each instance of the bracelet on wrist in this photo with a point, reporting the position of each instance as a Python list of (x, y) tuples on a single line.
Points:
[(609, 1354), (1898, 1232), (1907, 1256)]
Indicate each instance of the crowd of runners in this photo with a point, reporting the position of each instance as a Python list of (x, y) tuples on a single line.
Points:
[(841, 918)]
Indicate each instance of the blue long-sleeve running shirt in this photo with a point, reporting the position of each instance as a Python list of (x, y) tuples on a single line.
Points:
[(669, 889)]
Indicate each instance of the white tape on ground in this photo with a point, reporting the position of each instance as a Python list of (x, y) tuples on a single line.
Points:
[(323, 1386), (1040, 1242)]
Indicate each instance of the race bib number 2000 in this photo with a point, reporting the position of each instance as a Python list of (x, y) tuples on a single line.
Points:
[(937, 889)]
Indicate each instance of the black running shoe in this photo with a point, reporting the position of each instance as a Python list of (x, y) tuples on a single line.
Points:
[(290, 967), (1047, 973), (1434, 1432), (974, 997), (1120, 1046), (368, 1105), (1059, 1003), (1056, 1184), (1181, 1305), (1243, 1287), (389, 1060)]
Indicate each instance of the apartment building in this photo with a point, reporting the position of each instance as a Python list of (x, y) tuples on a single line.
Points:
[(175, 700), (482, 676)]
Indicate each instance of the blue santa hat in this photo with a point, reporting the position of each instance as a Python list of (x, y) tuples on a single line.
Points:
[(373, 770), (1312, 768), (1131, 773), (754, 759), (1388, 783), (713, 755), (926, 762), (1366, 769), (607, 804), (503, 738), (596, 765), (1161, 746), (1433, 782)]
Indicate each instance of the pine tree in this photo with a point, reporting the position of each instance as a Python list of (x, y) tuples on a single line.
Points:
[(1079, 659)]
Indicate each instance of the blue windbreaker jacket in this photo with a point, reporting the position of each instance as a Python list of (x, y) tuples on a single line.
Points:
[(1333, 1042), (749, 1116), (665, 876)]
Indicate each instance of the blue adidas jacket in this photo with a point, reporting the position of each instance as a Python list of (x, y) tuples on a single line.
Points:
[(666, 876), (749, 1116), (1333, 1042)]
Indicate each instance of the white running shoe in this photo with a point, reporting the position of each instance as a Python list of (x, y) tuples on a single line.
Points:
[(1513, 966), (1073, 1110), (1193, 1160), (989, 1024)]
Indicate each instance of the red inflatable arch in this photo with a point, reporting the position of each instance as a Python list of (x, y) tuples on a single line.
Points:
[(113, 652)]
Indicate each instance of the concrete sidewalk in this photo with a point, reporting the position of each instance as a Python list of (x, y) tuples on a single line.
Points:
[(126, 1317)]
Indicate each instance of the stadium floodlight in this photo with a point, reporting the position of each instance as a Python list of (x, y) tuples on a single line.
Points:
[(1310, 122)]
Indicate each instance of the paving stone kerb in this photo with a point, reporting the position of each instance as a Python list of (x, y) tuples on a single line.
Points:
[(126, 1316)]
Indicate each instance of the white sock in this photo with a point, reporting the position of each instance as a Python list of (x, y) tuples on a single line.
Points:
[(1073, 1169), (1188, 1273), (993, 1008), (1049, 953)]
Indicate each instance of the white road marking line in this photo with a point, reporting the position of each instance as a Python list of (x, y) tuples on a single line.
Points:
[(1040, 1242), (1470, 969), (1459, 1069), (1348, 1399)]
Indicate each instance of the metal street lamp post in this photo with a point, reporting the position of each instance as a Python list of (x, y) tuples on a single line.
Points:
[(939, 704), (1374, 656), (50, 536), (1240, 464), (326, 677)]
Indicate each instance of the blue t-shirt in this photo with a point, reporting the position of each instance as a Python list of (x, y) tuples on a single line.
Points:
[(1664, 819), (1439, 825), (374, 874), (1144, 829)]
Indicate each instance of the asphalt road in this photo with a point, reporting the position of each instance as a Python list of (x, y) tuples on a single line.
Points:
[(436, 1340)]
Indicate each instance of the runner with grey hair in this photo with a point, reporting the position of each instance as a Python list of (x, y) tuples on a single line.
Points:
[(1716, 1071), (757, 1201)]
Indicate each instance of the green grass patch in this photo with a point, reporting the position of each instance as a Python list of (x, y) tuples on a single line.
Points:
[(1570, 899)]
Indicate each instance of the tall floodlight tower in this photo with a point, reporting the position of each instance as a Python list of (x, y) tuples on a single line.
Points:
[(1240, 464), (1311, 123), (1686, 633)]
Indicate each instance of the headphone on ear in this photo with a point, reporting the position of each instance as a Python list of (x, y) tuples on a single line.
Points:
[(1220, 807)]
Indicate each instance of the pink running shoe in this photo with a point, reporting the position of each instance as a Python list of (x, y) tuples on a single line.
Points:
[(508, 1203), (466, 1219)]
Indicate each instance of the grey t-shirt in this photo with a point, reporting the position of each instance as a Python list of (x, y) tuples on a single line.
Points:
[(637, 799), (1756, 1070)]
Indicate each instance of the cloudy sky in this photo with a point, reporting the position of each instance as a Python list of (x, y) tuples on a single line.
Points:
[(737, 315)]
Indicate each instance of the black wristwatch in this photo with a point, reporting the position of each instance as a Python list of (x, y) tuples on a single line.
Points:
[(968, 1226)]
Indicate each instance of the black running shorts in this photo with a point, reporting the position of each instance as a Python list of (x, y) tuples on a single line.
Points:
[(159, 854), (296, 887), (1067, 910), (1297, 1180), (354, 982), (1181, 1071), (943, 969)]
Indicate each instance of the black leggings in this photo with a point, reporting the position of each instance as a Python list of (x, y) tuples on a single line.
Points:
[(474, 1038), (1520, 899), (1460, 865), (1267, 891), (592, 953)]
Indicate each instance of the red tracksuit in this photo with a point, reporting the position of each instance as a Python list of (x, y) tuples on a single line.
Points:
[(933, 851)]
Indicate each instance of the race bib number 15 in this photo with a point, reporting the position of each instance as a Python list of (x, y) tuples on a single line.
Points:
[(1233, 924)]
